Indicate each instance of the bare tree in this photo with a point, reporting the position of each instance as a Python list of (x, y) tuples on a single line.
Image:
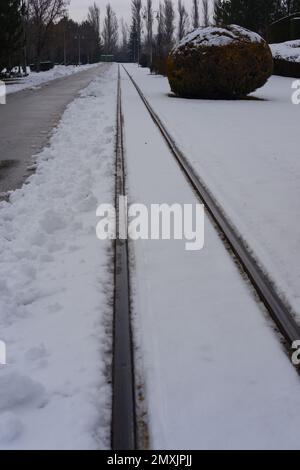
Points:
[(205, 10), (94, 18), (125, 34), (136, 7), (124, 46), (43, 13), (169, 27), (94, 38), (195, 14), (183, 20), (110, 32)]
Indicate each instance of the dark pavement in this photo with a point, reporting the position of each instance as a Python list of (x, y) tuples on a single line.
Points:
[(26, 122)]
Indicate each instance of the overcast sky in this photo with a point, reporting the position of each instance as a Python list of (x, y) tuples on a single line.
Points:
[(78, 8)]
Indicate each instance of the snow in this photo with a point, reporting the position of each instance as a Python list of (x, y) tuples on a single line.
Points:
[(289, 51), (247, 154), (36, 80), (10, 427), (56, 282), (213, 36), (210, 366)]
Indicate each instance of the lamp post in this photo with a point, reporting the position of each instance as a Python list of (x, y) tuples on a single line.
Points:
[(23, 13), (79, 37)]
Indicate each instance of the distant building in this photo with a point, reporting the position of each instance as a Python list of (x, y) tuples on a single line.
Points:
[(285, 29), (107, 58)]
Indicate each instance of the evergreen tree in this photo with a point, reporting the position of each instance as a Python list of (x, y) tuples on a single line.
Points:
[(291, 6), (252, 14), (133, 42), (11, 32)]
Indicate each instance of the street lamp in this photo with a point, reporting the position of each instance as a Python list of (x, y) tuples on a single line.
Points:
[(79, 37), (24, 13)]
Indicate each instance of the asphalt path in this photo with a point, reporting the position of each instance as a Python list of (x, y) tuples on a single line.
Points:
[(27, 120)]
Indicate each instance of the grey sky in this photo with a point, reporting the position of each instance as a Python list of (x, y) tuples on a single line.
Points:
[(78, 8)]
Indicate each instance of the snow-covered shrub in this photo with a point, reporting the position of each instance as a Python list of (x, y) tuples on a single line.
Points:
[(159, 65), (228, 62), (287, 58)]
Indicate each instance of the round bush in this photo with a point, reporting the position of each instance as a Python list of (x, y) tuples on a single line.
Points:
[(228, 62)]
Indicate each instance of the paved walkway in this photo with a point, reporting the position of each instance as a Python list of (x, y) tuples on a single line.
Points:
[(26, 122)]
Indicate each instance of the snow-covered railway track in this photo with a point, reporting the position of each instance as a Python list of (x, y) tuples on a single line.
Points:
[(123, 412), (278, 310)]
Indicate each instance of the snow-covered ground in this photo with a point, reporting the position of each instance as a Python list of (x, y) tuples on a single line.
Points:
[(247, 153), (214, 373), (211, 367), (56, 282), (35, 80)]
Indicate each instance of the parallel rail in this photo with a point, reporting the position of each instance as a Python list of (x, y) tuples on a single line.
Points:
[(123, 413), (280, 313)]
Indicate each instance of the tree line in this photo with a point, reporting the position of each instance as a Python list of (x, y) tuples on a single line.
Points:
[(33, 31), (255, 15)]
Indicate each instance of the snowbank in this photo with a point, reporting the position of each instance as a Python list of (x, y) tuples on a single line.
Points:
[(56, 286), (36, 79), (289, 51)]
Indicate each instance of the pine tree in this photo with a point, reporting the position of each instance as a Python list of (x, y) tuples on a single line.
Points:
[(252, 14), (11, 32)]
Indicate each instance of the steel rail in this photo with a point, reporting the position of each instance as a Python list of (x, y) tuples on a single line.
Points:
[(279, 312), (123, 408)]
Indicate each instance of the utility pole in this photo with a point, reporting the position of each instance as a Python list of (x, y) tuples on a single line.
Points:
[(65, 23)]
